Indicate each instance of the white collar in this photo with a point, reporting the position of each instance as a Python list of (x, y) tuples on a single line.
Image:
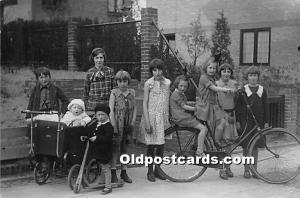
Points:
[(102, 123), (249, 92)]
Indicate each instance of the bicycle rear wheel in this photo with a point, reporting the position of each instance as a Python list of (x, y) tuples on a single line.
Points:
[(180, 142), (278, 161)]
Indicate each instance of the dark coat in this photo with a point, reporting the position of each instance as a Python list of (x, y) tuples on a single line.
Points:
[(56, 97), (101, 148), (259, 107)]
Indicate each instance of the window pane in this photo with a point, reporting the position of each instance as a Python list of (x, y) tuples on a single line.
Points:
[(263, 47), (111, 5), (119, 5), (10, 2), (248, 47)]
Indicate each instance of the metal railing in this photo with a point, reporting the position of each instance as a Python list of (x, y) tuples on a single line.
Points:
[(276, 111)]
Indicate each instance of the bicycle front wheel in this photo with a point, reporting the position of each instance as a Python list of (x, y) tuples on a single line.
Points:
[(278, 158), (181, 143)]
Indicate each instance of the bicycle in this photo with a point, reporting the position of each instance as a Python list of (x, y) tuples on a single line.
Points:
[(277, 163)]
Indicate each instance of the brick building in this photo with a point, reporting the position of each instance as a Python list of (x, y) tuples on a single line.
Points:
[(264, 33), (273, 24)]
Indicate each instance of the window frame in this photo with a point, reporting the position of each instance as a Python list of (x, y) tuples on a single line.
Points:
[(9, 2), (115, 12), (170, 37), (255, 31)]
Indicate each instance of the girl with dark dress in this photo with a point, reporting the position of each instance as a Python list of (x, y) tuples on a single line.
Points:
[(256, 96)]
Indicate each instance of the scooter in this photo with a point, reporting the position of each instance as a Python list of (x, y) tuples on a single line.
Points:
[(88, 175)]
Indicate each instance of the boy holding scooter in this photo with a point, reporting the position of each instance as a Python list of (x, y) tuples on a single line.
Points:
[(101, 137)]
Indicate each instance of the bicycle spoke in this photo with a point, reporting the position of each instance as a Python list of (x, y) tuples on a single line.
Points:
[(278, 161), (180, 145)]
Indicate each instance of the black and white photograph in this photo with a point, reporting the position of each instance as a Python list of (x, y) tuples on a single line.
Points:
[(150, 98)]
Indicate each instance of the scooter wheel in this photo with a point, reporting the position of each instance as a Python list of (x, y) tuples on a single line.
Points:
[(92, 172), (72, 177), (77, 188)]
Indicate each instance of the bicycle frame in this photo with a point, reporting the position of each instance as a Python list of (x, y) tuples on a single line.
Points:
[(244, 135), (255, 130), (167, 132)]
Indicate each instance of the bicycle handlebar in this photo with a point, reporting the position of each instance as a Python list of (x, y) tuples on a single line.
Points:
[(40, 112)]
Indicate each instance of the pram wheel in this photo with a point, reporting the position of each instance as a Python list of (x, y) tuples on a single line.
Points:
[(41, 172)]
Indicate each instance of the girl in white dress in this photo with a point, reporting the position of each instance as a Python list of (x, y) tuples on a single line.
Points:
[(155, 115)]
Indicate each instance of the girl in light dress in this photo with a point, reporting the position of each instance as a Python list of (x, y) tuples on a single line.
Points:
[(155, 115)]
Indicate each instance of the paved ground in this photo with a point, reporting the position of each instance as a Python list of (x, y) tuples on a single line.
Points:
[(208, 186)]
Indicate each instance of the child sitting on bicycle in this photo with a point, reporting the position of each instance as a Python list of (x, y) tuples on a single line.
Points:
[(181, 111), (207, 107), (76, 116), (45, 96), (101, 136), (256, 96)]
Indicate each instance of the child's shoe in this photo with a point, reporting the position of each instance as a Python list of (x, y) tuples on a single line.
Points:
[(229, 173), (247, 174), (223, 175), (158, 174), (106, 191), (150, 173), (151, 177), (114, 178), (255, 177), (125, 177)]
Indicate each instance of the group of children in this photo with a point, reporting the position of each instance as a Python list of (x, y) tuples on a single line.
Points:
[(115, 110)]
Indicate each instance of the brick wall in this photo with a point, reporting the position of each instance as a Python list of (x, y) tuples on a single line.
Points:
[(73, 88), (72, 43), (149, 37), (291, 105)]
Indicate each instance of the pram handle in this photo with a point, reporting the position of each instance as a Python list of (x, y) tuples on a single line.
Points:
[(84, 138), (40, 112)]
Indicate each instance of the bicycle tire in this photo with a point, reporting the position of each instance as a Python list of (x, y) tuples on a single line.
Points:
[(183, 147), (283, 164)]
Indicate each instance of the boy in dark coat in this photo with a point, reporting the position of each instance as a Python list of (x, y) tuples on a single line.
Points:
[(45, 96), (101, 136)]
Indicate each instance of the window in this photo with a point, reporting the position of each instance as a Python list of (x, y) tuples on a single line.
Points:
[(10, 2), (255, 46), (116, 5), (53, 4), (171, 41)]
